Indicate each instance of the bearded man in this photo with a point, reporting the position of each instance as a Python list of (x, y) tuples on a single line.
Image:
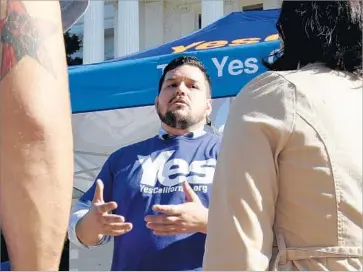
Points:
[(153, 196)]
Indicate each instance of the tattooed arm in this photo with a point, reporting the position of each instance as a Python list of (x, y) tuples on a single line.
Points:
[(36, 138)]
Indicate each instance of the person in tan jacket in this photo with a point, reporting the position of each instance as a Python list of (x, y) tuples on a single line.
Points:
[(287, 191)]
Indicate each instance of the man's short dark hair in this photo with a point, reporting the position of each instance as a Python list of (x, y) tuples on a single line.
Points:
[(185, 60)]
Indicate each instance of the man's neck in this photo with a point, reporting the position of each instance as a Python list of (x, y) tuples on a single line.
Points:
[(178, 132)]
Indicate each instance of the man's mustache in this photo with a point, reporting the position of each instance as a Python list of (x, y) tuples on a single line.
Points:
[(176, 97)]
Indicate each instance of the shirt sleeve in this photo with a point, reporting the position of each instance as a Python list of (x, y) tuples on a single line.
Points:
[(245, 187), (79, 210), (82, 206)]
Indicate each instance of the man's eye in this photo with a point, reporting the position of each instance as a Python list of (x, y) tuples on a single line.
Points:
[(173, 85)]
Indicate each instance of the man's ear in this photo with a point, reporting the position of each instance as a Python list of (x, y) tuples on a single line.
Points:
[(209, 107), (156, 103)]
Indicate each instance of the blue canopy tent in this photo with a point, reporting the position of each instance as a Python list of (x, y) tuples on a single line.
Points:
[(231, 49)]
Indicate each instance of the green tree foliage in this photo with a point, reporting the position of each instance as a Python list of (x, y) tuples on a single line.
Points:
[(73, 44)]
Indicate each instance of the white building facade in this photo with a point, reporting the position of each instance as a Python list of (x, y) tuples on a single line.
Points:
[(116, 28)]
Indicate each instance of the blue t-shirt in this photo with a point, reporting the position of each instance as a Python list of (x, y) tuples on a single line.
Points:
[(5, 266), (151, 172)]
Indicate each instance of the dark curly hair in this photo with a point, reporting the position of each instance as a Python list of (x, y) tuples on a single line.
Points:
[(185, 60), (329, 32)]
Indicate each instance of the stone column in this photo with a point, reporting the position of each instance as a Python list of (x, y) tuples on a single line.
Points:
[(127, 29), (94, 33), (271, 4), (212, 10)]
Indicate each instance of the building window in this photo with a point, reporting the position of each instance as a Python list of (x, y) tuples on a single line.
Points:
[(253, 7), (199, 21)]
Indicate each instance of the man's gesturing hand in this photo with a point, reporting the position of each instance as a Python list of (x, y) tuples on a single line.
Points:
[(188, 217), (98, 221)]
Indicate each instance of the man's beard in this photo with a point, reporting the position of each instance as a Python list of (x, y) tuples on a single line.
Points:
[(174, 120)]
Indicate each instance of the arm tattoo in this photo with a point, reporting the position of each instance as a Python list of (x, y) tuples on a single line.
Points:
[(22, 35)]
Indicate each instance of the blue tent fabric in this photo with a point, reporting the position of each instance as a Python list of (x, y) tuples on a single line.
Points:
[(231, 30), (231, 50)]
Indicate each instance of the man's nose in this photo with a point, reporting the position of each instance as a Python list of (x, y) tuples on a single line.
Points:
[(181, 89)]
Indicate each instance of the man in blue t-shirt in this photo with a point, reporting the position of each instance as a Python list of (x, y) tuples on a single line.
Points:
[(152, 196)]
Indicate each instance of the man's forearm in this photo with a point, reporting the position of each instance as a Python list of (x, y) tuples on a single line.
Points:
[(85, 234), (81, 234), (36, 138)]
